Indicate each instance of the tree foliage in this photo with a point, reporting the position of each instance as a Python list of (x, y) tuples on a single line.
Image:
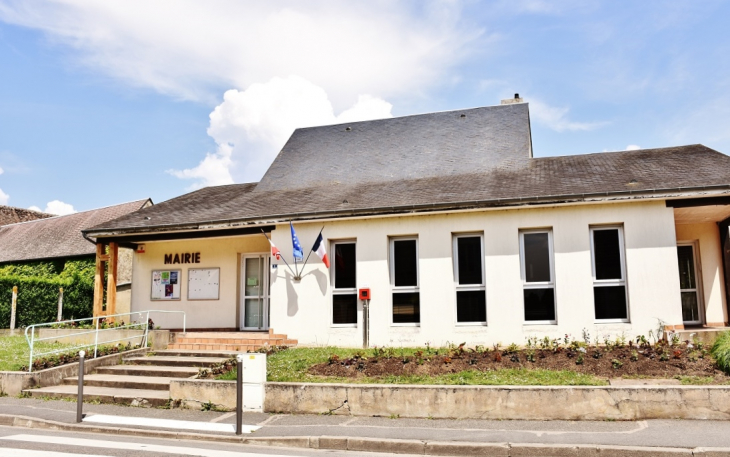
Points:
[(38, 289)]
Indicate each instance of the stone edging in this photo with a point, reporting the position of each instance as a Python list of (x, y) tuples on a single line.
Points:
[(416, 447), (472, 402)]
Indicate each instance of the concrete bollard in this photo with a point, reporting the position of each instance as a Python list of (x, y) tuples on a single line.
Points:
[(80, 399)]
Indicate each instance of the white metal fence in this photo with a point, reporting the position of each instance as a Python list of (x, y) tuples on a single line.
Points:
[(95, 329)]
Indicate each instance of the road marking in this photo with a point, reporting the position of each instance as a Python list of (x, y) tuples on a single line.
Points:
[(168, 423), (223, 417), (269, 419), (8, 452), (120, 445)]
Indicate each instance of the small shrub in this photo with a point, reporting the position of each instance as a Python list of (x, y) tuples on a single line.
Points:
[(721, 351), (616, 364)]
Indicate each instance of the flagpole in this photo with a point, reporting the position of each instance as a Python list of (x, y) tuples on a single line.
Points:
[(281, 256), (297, 277), (310, 249)]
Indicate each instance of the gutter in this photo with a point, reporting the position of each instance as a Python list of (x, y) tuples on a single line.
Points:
[(406, 209)]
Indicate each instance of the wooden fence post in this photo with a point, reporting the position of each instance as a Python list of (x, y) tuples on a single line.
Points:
[(14, 307), (60, 304)]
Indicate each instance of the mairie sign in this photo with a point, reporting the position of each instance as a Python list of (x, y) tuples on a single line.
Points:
[(183, 257)]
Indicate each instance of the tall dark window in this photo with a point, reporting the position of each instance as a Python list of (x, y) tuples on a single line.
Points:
[(609, 277), (404, 280), (471, 303), (344, 294), (537, 276)]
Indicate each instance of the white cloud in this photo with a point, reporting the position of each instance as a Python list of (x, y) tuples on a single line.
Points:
[(251, 126), (633, 147), (2, 171), (35, 208), (59, 208), (341, 51), (193, 49), (557, 118)]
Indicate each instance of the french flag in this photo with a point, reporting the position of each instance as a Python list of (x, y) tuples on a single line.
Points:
[(319, 249), (274, 250)]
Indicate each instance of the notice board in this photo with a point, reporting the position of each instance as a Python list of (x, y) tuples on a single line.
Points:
[(203, 283), (165, 285)]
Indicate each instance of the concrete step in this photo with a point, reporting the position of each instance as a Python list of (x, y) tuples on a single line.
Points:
[(260, 342), (122, 381), (179, 361), (148, 370), (140, 397), (233, 348), (198, 353)]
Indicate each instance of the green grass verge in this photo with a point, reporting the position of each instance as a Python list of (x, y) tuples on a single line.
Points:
[(14, 351), (291, 366)]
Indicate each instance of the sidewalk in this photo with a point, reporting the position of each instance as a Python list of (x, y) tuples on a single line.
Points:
[(413, 436)]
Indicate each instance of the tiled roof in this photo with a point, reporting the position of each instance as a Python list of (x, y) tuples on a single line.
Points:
[(430, 145), (58, 236), (12, 215), (547, 179)]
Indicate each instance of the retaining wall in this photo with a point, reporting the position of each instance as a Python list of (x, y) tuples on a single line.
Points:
[(473, 402), (13, 382)]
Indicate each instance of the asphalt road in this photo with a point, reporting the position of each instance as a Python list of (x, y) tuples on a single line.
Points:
[(15, 442)]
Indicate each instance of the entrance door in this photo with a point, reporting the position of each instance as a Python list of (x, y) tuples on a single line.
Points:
[(689, 284), (255, 296)]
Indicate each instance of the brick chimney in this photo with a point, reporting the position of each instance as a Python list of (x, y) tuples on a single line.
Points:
[(512, 101)]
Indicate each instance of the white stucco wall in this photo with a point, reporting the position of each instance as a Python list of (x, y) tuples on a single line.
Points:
[(303, 310), (223, 253), (706, 237)]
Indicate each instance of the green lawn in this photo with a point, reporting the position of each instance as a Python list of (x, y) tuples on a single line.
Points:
[(291, 366), (14, 351)]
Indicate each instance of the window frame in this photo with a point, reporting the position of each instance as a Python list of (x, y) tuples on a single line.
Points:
[(344, 291), (610, 282), (540, 284), (468, 287), (405, 289)]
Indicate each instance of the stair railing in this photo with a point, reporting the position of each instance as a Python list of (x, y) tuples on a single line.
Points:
[(95, 329)]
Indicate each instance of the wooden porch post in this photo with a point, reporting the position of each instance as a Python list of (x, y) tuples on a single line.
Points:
[(111, 284), (99, 280)]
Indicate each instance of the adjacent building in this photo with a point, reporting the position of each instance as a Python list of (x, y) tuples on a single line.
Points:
[(454, 229), (59, 238)]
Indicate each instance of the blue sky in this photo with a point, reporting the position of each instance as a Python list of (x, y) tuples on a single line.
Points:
[(106, 102)]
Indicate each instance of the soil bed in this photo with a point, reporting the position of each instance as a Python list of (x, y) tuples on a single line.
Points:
[(658, 361)]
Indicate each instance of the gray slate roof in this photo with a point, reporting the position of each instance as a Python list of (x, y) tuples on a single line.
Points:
[(540, 179), (12, 215), (430, 145), (59, 236)]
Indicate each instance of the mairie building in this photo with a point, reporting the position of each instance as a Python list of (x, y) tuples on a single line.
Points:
[(441, 227)]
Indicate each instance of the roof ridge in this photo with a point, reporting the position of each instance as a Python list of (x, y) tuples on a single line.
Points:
[(56, 216), (626, 151), (405, 116)]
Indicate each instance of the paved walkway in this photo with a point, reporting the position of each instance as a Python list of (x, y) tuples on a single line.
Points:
[(678, 436)]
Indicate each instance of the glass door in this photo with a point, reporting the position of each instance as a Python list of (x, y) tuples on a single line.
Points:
[(255, 296), (688, 285)]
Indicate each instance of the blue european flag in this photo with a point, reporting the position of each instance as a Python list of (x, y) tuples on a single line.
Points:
[(298, 253)]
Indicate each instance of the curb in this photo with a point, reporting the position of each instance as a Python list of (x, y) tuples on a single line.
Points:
[(416, 447)]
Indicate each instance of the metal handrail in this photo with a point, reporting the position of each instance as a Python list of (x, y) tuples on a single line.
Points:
[(96, 321)]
